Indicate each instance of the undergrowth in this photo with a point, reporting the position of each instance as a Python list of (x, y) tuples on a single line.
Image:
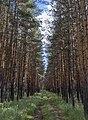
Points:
[(25, 109)]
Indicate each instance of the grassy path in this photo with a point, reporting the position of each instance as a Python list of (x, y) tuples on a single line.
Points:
[(41, 106), (38, 115), (47, 112)]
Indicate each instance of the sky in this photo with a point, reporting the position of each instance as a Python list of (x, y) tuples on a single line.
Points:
[(46, 19), (43, 4)]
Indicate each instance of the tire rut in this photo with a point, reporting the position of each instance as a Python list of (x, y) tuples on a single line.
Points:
[(58, 113), (38, 114)]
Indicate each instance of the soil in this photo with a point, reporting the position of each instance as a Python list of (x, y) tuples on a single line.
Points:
[(38, 114)]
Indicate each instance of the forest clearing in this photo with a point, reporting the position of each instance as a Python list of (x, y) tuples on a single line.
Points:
[(44, 59)]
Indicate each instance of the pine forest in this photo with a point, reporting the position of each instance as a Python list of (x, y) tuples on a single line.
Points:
[(43, 59)]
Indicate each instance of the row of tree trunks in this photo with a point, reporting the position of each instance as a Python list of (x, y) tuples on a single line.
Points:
[(19, 50), (70, 46)]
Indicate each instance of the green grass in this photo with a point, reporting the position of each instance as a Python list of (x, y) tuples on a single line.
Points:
[(24, 109), (70, 114), (48, 115)]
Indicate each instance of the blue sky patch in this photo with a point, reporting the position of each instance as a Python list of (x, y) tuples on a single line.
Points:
[(42, 4)]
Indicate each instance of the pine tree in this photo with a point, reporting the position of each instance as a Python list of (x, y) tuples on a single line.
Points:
[(68, 65), (20, 49)]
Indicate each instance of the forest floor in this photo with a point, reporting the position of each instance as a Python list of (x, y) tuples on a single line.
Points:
[(41, 106), (53, 113)]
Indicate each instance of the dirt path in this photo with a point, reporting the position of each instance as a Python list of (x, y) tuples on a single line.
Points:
[(58, 113), (48, 111), (38, 114)]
